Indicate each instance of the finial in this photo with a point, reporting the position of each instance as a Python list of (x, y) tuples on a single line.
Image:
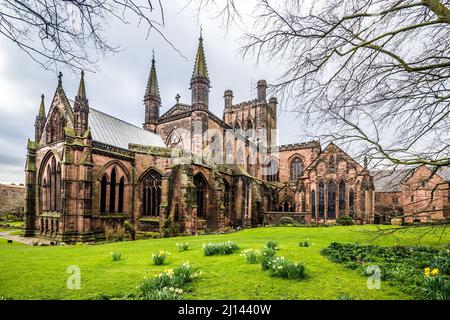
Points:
[(201, 33), (60, 79), (42, 96), (177, 97), (82, 73), (153, 55)]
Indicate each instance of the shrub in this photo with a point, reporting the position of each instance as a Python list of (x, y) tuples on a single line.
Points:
[(286, 221), (272, 245), (182, 246), (116, 256), (304, 243), (251, 256), (160, 257), (344, 221), (283, 268), (211, 249), (266, 257)]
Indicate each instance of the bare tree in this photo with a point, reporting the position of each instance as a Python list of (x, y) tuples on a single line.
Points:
[(375, 73), (72, 32)]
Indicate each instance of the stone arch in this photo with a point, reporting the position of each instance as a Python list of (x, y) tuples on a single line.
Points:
[(107, 168), (49, 183), (114, 184)]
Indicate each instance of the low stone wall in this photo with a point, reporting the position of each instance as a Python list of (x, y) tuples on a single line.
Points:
[(12, 199)]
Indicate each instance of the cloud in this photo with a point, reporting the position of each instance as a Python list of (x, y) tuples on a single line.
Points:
[(118, 86)]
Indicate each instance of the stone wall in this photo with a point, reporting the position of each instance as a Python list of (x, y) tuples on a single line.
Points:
[(12, 199)]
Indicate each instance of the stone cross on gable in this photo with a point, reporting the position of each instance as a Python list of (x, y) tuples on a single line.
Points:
[(177, 97)]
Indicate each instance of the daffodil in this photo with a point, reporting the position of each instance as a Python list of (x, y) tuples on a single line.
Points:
[(435, 271)]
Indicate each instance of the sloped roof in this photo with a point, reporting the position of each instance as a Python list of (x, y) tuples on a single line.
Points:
[(389, 180), (115, 132), (444, 173)]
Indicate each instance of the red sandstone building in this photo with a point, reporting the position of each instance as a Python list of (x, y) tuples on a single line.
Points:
[(87, 171), (419, 195)]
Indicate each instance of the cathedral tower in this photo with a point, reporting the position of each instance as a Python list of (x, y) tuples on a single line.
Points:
[(152, 100), (81, 109), (200, 79)]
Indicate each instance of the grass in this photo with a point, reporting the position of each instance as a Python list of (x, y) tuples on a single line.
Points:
[(28, 272)]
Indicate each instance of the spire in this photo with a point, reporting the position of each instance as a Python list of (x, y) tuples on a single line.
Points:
[(82, 88), (81, 109), (152, 84), (200, 68), (41, 113)]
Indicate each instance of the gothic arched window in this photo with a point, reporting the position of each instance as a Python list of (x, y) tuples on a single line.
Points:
[(271, 170), (112, 192), (342, 197), (321, 199), (296, 169), (50, 185), (103, 186), (175, 141), (249, 124), (121, 194), (331, 200), (200, 185), (151, 193)]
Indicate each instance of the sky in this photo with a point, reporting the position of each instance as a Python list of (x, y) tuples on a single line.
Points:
[(117, 87)]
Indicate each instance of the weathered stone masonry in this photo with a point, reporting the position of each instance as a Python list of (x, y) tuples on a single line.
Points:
[(88, 172)]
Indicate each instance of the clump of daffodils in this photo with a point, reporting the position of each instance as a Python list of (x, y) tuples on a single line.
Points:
[(167, 285), (251, 256), (182, 246), (283, 268), (160, 257), (228, 247), (430, 272)]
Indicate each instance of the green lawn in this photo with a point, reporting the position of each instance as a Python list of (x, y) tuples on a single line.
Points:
[(40, 272)]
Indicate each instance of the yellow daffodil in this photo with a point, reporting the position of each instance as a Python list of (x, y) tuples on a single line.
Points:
[(435, 272)]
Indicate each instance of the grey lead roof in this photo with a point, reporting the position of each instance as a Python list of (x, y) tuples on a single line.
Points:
[(115, 132), (389, 180)]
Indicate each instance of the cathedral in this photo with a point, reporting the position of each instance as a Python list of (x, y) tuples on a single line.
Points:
[(188, 170)]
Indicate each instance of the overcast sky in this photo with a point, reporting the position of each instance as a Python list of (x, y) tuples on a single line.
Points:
[(118, 85)]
